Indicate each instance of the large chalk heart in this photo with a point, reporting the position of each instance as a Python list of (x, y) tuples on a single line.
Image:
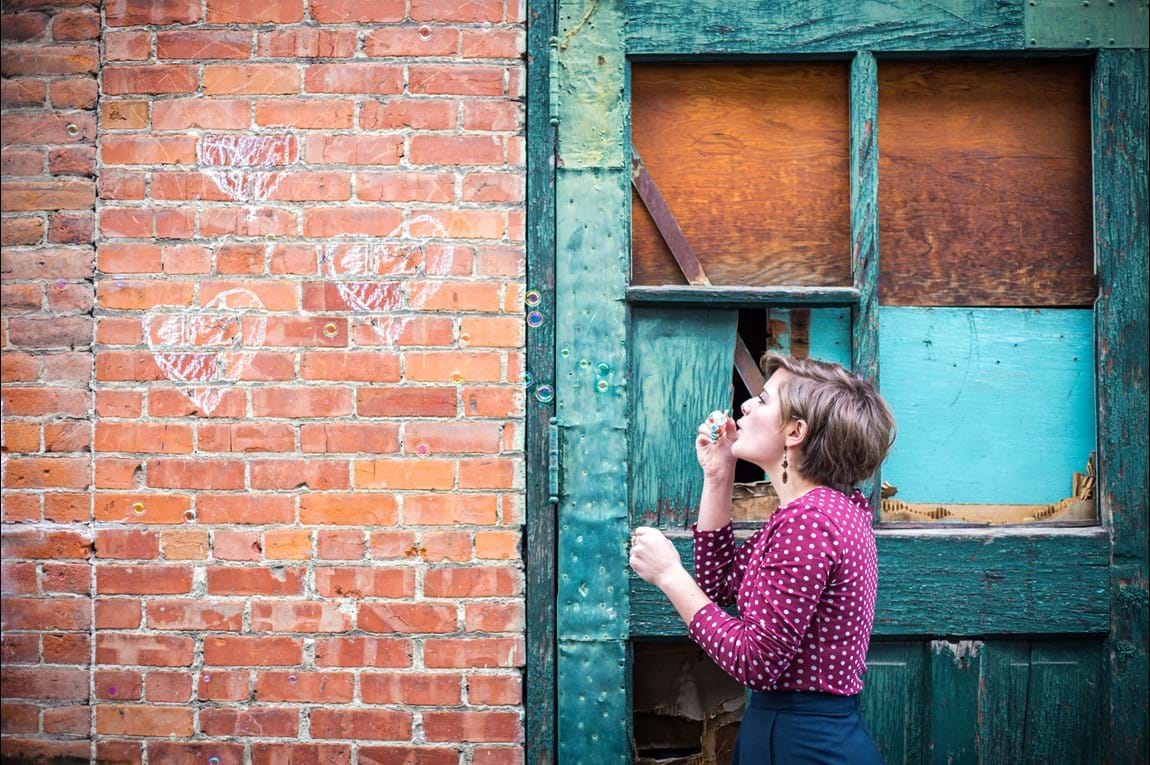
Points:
[(356, 271), (207, 347), (223, 153)]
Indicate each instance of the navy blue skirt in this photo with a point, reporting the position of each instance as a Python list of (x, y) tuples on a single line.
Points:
[(803, 728)]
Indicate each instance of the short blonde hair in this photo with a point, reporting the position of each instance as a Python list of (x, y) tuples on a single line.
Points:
[(850, 428)]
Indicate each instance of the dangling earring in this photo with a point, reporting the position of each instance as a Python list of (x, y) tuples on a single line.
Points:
[(784, 464)]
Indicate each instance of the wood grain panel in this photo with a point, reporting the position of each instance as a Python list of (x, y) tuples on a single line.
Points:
[(985, 183), (753, 161)]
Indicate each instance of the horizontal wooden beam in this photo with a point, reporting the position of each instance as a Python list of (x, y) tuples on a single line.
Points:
[(734, 27), (727, 297), (944, 582)]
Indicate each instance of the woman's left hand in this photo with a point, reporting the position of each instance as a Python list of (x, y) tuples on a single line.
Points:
[(653, 556)]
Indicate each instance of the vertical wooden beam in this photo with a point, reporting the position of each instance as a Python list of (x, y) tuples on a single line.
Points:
[(539, 550), (1121, 250), (864, 230), (593, 193)]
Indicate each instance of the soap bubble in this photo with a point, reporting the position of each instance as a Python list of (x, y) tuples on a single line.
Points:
[(423, 450), (534, 319), (292, 679), (526, 378), (604, 368), (545, 393), (138, 508), (603, 385), (61, 284), (457, 377), (213, 760), (189, 516), (532, 298), (330, 329), (584, 363), (112, 691), (464, 338), (564, 351)]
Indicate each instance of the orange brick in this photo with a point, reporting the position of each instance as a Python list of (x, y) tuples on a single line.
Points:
[(408, 617), (497, 544), (244, 12), (326, 687), (473, 726), (357, 509), (362, 652), (407, 688), (287, 544), (355, 150), (471, 582), (301, 402), (252, 651), (450, 509), (456, 79), (207, 114), (487, 474), (369, 724), (454, 366), (158, 78), (143, 437), (351, 437), (473, 652), (322, 222), (141, 720), (377, 79), (351, 366), (308, 115), (404, 474), (245, 509), (494, 617), (364, 581), (266, 79)]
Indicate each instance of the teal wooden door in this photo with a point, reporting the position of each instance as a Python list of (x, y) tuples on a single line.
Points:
[(991, 643)]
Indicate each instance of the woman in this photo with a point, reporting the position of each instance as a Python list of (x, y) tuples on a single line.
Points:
[(805, 583)]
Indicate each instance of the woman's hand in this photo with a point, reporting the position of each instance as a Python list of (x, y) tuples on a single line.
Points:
[(653, 556), (715, 454)]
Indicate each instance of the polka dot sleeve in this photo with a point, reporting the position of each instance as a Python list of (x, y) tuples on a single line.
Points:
[(719, 569), (799, 556)]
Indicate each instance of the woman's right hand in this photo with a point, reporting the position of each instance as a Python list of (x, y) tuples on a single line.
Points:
[(715, 455)]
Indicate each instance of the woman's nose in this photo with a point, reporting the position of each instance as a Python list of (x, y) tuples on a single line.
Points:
[(746, 406)]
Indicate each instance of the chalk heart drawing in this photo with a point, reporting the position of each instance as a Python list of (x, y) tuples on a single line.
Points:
[(228, 152), (207, 347), (356, 269)]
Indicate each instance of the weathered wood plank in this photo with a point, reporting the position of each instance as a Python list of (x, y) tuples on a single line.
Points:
[(732, 296), (715, 27), (864, 231), (955, 671), (985, 183), (1064, 710), (1121, 241), (681, 371), (896, 692), (539, 549), (993, 405), (941, 583), (752, 159)]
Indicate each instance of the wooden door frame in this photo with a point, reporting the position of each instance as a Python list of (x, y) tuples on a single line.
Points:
[(579, 625)]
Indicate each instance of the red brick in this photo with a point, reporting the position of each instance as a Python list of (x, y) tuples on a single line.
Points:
[(241, 12), (219, 616), (364, 581), (452, 10), (348, 509), (356, 150), (326, 687), (146, 650), (265, 79), (412, 41), (450, 509), (252, 721), (377, 79), (158, 78), (404, 474), (396, 113), (19, 27), (408, 688), (350, 366), (175, 687), (14, 93), (473, 726), (307, 754), (195, 474), (316, 475), (301, 402), (493, 43), (142, 508), (143, 580), (125, 13), (246, 437), (400, 186), (69, 194), (407, 617), (245, 509), (143, 438), (213, 114), (350, 437), (141, 720), (495, 690), (493, 187), (271, 616), (252, 651), (456, 150), (43, 60), (254, 581), (307, 43), (118, 614), (456, 79), (71, 720), (471, 582), (473, 652), (119, 685), (127, 544), (222, 685), (340, 545), (74, 93), (40, 545), (127, 45), (308, 115), (361, 724), (347, 11), (194, 752), (46, 613), (486, 474), (45, 683)]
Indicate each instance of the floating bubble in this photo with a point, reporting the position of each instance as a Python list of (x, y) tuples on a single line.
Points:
[(112, 691), (61, 284), (189, 516), (292, 679), (457, 377), (138, 508), (565, 351), (526, 378), (604, 368), (73, 128), (207, 678), (425, 32), (602, 385), (464, 338), (584, 363), (545, 393), (213, 760), (121, 283), (423, 450), (532, 298), (330, 329), (534, 319)]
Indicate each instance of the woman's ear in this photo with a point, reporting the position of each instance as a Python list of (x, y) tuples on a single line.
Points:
[(796, 433)]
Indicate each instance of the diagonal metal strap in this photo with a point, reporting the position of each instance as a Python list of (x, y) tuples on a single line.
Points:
[(689, 264)]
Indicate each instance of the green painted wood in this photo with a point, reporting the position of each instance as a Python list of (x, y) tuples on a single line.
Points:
[(955, 672), (540, 532), (895, 693), (681, 372), (593, 190), (729, 297), (1121, 244), (1003, 699), (864, 231), (1069, 24), (1064, 710), (993, 405), (724, 27), (830, 336), (933, 582)]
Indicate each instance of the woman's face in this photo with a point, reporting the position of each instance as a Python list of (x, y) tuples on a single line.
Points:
[(760, 439)]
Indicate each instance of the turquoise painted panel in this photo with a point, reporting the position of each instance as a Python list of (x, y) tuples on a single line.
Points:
[(594, 702), (944, 583), (677, 27), (830, 331), (993, 405), (955, 673), (1064, 713), (681, 372), (1082, 24)]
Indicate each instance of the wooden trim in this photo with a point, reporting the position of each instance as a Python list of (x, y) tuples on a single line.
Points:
[(669, 227), (948, 582), (744, 27), (731, 297), (864, 231), (1123, 381), (540, 533)]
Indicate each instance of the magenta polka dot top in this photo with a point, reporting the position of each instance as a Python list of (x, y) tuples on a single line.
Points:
[(805, 589)]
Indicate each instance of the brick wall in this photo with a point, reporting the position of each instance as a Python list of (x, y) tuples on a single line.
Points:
[(263, 337)]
